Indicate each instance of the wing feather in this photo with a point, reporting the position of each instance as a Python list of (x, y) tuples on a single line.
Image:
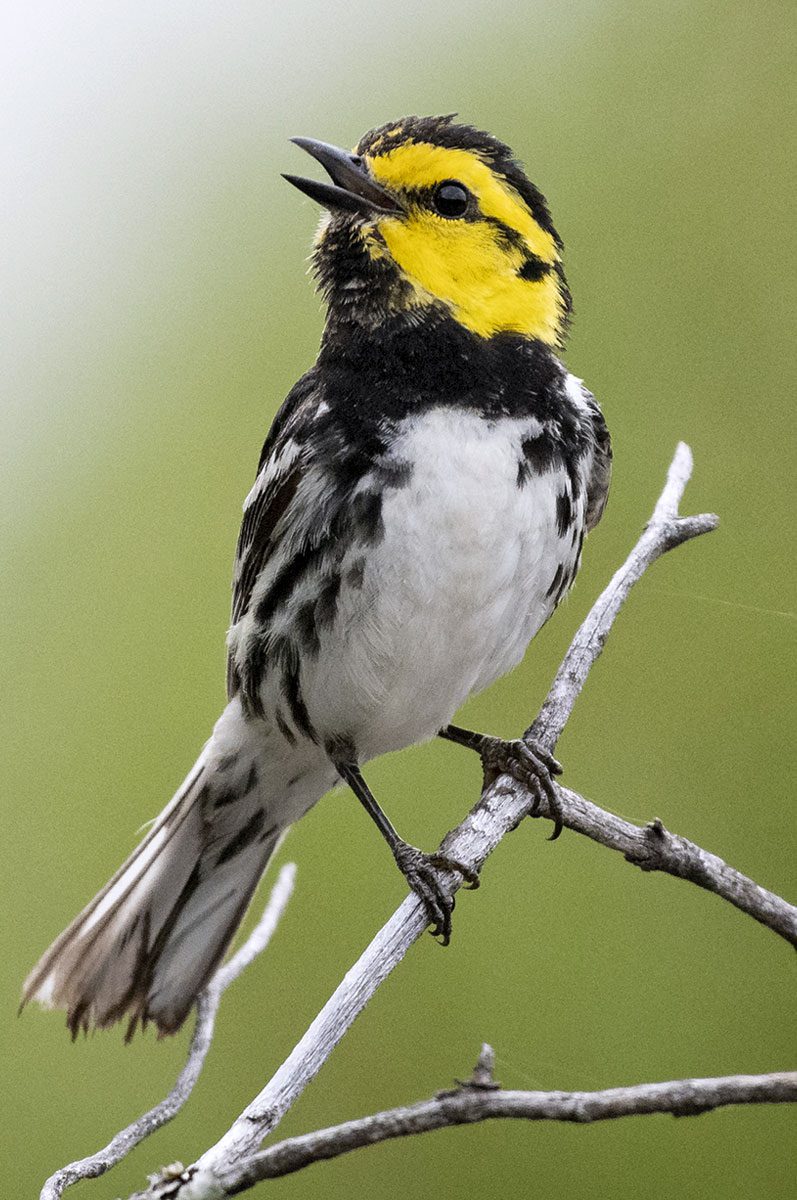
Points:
[(598, 485), (283, 462)]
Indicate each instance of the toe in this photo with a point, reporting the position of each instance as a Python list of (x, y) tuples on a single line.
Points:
[(469, 874), (537, 794), (545, 757), (437, 916), (440, 908)]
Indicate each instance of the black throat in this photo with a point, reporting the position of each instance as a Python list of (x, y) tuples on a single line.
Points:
[(424, 358), (361, 291)]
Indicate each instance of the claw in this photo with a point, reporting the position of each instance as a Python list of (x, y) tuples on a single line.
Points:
[(532, 765), (423, 874), (524, 758)]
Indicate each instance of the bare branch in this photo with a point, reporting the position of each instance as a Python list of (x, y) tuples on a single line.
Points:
[(501, 807), (481, 1100), (207, 1007)]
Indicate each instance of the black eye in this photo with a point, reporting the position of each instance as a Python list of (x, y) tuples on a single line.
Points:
[(451, 199)]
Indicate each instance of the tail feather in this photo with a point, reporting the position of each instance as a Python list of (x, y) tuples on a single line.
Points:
[(212, 913), (149, 941)]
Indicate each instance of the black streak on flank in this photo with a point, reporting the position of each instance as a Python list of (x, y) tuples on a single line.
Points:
[(540, 455), (283, 585), (288, 655), (393, 473), (306, 629), (557, 580), (327, 603), (316, 614), (356, 573), (285, 728), (567, 582), (365, 515), (251, 677), (533, 269), (231, 794), (301, 717), (228, 796), (574, 475), (243, 838), (341, 749), (564, 513)]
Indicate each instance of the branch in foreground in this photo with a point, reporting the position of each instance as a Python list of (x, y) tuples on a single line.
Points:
[(480, 1099), (207, 1007)]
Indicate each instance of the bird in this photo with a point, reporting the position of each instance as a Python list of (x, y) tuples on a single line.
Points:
[(417, 514)]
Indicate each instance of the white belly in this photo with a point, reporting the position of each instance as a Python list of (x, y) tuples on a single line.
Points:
[(452, 593)]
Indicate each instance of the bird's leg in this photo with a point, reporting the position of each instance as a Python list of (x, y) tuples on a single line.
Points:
[(527, 761), (422, 871)]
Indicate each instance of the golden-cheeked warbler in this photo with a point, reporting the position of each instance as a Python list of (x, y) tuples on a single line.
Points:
[(417, 515)]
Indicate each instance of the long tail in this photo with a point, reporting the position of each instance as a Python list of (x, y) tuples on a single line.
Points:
[(150, 940)]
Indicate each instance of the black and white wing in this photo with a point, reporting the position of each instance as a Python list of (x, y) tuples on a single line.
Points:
[(600, 478), (282, 462)]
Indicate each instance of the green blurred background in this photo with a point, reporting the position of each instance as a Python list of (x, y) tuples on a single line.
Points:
[(156, 310)]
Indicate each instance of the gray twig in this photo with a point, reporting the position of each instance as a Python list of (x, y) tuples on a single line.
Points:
[(207, 1007), (480, 1099)]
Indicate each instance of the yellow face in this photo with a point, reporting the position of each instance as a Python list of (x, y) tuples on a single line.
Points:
[(466, 237)]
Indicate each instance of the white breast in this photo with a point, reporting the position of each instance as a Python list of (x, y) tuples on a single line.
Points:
[(453, 592)]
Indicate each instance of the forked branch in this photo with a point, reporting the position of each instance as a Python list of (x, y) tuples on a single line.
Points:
[(481, 1099), (236, 1162)]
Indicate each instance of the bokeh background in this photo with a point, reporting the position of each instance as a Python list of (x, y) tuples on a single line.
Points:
[(155, 311)]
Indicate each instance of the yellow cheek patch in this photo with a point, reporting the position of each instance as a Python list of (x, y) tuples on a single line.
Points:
[(421, 165), (468, 264), (463, 264)]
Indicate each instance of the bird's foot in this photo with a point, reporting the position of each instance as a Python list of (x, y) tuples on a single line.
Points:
[(424, 875), (528, 762)]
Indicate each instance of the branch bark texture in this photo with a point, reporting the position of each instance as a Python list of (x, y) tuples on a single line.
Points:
[(474, 1102)]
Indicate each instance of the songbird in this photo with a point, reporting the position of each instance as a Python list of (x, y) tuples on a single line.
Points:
[(418, 513)]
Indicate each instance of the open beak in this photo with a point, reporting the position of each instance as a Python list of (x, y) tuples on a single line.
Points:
[(352, 188)]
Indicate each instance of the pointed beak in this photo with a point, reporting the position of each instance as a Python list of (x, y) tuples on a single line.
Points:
[(352, 188)]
